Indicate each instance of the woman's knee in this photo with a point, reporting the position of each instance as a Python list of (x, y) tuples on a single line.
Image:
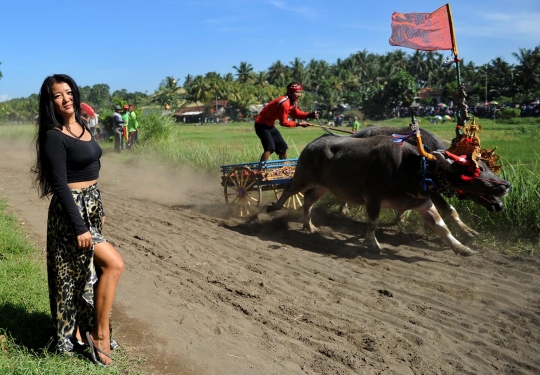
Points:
[(117, 266), (108, 259)]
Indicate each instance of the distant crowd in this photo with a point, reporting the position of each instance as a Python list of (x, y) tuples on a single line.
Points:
[(488, 110)]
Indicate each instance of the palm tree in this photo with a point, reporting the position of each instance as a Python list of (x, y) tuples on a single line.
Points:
[(188, 80), (418, 68), (363, 59), (502, 77), (297, 69), (260, 79), (277, 71), (398, 59), (528, 68), (243, 72), (169, 93), (199, 91)]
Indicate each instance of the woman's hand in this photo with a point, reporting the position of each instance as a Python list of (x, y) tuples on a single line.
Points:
[(102, 220), (84, 240)]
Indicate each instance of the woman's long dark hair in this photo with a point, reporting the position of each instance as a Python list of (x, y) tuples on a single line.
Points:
[(49, 119)]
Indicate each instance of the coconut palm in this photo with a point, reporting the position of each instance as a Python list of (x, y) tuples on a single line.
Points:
[(169, 93), (243, 72), (297, 69), (278, 71), (199, 90), (188, 80), (260, 79), (528, 69), (501, 77), (418, 67)]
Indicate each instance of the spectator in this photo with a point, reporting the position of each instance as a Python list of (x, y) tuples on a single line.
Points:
[(125, 134), (356, 125), (118, 128)]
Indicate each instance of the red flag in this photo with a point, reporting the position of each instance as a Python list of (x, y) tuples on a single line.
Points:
[(423, 31)]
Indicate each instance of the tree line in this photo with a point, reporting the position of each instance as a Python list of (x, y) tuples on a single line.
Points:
[(372, 83)]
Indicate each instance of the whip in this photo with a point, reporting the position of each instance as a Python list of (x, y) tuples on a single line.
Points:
[(330, 128)]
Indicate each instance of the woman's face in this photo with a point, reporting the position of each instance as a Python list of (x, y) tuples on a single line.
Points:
[(62, 99)]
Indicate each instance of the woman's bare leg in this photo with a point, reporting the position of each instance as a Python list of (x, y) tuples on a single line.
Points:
[(111, 264)]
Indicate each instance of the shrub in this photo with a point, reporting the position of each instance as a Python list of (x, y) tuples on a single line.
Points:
[(354, 113), (509, 113), (155, 126)]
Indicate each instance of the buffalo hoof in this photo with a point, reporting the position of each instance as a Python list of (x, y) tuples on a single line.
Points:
[(310, 228), (391, 251), (464, 251), (373, 244)]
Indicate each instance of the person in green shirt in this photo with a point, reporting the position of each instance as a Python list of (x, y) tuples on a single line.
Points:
[(132, 127), (356, 125), (125, 118)]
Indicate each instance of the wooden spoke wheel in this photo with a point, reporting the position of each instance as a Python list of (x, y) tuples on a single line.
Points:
[(294, 202), (242, 192)]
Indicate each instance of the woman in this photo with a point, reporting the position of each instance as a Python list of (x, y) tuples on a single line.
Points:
[(83, 268)]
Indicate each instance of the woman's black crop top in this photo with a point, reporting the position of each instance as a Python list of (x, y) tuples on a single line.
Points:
[(70, 160)]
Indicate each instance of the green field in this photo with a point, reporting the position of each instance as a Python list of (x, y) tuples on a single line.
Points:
[(209, 146)]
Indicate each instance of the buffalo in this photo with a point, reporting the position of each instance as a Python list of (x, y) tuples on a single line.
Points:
[(432, 143), (378, 173)]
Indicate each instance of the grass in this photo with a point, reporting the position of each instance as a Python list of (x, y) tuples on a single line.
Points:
[(210, 145), (25, 323)]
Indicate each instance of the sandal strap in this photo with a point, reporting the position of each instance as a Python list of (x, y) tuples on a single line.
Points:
[(102, 352)]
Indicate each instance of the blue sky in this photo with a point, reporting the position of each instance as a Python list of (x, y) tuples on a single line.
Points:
[(136, 44)]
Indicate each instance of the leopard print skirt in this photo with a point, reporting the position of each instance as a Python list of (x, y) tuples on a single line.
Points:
[(72, 276)]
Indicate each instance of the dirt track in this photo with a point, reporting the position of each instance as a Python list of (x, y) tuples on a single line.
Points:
[(206, 294)]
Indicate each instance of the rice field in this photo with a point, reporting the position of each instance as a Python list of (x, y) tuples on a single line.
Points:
[(209, 146)]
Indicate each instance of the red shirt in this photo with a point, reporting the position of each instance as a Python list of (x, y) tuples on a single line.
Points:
[(280, 109)]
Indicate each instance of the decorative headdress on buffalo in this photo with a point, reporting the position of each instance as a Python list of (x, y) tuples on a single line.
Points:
[(466, 148)]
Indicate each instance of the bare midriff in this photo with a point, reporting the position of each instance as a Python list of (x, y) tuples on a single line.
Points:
[(81, 185)]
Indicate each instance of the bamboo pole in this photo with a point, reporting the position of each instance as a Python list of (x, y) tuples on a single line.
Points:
[(331, 128), (452, 31)]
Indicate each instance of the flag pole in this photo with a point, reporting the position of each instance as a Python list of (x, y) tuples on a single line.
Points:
[(462, 112), (452, 32)]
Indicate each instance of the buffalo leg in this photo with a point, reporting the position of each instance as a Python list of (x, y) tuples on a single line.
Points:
[(446, 208), (310, 197), (291, 188), (373, 209), (429, 213)]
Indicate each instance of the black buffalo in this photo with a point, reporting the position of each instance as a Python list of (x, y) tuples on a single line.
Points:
[(432, 143), (377, 173)]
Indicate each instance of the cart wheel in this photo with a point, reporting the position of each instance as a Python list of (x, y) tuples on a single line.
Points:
[(294, 202), (242, 192)]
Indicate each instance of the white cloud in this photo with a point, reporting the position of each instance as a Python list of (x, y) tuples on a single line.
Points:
[(4, 97), (306, 12), (524, 26)]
